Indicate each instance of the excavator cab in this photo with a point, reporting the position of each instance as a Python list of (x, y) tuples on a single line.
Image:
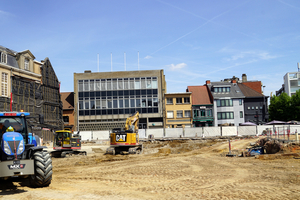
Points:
[(62, 139), (126, 141), (66, 144)]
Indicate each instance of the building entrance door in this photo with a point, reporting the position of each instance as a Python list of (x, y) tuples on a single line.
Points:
[(142, 126)]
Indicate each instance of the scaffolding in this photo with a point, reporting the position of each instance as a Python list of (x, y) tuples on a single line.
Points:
[(40, 98)]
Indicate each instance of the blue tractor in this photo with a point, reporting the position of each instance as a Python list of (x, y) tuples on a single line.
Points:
[(20, 156)]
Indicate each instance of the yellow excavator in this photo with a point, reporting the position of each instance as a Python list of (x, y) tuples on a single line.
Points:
[(126, 141), (66, 144)]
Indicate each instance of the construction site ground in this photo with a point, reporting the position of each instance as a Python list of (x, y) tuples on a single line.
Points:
[(179, 169)]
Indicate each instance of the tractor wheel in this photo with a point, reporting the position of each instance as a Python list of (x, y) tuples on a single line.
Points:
[(42, 169)]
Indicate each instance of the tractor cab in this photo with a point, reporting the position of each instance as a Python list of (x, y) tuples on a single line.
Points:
[(18, 156)]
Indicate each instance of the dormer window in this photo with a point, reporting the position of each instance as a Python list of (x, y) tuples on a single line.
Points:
[(221, 89), (26, 64), (3, 58)]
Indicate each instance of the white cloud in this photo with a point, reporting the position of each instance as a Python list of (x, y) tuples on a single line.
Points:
[(258, 55), (3, 13), (178, 66), (148, 57)]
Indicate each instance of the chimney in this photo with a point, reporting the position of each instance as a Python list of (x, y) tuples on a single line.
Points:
[(244, 78), (87, 71), (208, 82), (233, 81)]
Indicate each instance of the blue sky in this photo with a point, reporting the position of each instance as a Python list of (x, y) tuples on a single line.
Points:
[(192, 40)]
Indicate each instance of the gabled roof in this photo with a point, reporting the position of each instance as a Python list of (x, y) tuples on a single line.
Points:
[(255, 85), (28, 52), (67, 99), (200, 95), (249, 92)]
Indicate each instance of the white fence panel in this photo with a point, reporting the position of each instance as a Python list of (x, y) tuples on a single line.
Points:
[(260, 129), (100, 135), (229, 131), (156, 132), (247, 130), (193, 132), (142, 133), (86, 135), (174, 132), (211, 131), (294, 129)]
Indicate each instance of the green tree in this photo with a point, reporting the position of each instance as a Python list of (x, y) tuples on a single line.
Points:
[(280, 107), (295, 106)]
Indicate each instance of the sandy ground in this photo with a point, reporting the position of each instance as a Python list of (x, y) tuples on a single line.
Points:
[(191, 169)]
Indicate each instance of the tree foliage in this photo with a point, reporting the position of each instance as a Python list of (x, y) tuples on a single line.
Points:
[(284, 107)]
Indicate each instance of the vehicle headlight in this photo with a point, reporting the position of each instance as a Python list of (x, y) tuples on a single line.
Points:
[(6, 148), (21, 147)]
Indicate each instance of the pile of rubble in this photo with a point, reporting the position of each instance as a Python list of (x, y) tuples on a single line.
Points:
[(271, 146)]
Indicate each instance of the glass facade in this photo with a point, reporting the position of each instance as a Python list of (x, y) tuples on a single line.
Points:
[(118, 96)]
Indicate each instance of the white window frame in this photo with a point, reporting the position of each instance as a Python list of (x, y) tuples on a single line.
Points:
[(4, 84), (3, 58), (178, 100), (170, 102), (178, 113), (170, 114), (185, 113), (26, 64), (186, 100)]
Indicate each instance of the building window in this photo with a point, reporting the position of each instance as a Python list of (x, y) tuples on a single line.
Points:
[(169, 100), (4, 83), (148, 83), (92, 85), (186, 99), (3, 58), (248, 108), (179, 114), (66, 119), (221, 89), (241, 114), (155, 102), (252, 107), (196, 113), (170, 114), (86, 104), (224, 103), (240, 101), (80, 105), (108, 84), (154, 82), (26, 64), (202, 113), (80, 85), (209, 113), (187, 113), (86, 85), (137, 84), (97, 85), (98, 104), (256, 108), (115, 84), (103, 85), (225, 115), (178, 100)]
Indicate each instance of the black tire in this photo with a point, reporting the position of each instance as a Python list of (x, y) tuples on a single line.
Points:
[(42, 169)]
